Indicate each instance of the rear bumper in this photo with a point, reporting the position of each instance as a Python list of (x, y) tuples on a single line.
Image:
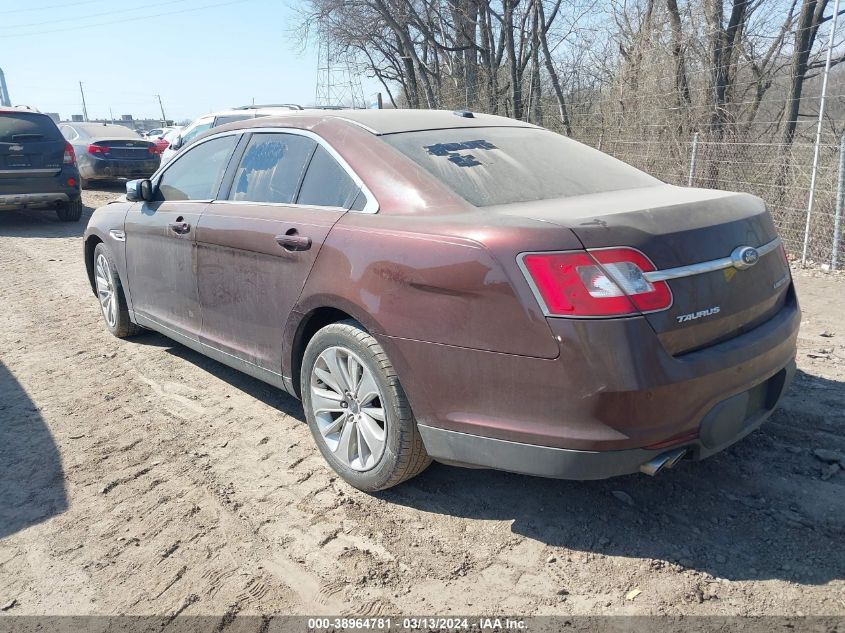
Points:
[(613, 389), (727, 423), (17, 192), (104, 168)]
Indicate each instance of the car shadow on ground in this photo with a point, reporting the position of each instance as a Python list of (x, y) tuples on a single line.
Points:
[(45, 223), (32, 486), (268, 394), (40, 223), (757, 511)]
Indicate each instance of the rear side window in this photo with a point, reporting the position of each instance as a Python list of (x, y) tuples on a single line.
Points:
[(17, 127), (271, 168), (488, 166), (196, 174), (327, 184)]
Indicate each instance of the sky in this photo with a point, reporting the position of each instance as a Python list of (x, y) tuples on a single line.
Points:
[(199, 55)]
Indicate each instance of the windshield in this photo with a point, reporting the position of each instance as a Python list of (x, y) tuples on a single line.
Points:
[(488, 166)]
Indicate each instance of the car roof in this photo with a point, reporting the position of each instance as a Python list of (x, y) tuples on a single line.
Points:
[(280, 110), (20, 110), (391, 121)]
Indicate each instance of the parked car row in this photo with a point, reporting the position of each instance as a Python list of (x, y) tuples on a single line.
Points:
[(45, 166)]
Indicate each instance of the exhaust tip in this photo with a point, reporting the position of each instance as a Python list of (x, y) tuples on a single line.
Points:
[(669, 459)]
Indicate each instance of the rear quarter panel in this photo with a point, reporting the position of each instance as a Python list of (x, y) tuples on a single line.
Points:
[(401, 278)]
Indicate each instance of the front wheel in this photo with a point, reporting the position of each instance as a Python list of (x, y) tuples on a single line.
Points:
[(357, 411), (110, 294)]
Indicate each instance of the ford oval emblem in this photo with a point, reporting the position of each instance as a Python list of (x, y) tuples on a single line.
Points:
[(745, 257)]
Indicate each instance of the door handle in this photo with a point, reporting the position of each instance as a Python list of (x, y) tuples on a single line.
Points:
[(292, 241), (180, 228)]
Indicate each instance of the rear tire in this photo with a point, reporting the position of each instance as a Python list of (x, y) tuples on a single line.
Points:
[(110, 295), (84, 183), (70, 212), (347, 384)]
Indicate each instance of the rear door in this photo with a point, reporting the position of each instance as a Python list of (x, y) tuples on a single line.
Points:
[(257, 246), (161, 237), (31, 146)]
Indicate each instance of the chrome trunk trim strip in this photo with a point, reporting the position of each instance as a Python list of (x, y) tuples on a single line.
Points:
[(705, 267)]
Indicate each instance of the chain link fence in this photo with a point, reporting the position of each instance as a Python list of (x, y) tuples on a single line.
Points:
[(651, 134), (780, 174)]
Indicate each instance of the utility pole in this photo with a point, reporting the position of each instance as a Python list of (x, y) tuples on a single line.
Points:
[(84, 109), (4, 91), (163, 118)]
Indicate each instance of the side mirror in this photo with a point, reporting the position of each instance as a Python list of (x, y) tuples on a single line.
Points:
[(139, 190), (133, 190), (146, 190), (176, 143)]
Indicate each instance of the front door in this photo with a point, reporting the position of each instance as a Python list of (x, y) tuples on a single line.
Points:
[(256, 248), (161, 237)]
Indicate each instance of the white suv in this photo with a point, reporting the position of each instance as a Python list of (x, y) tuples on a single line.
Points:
[(208, 121)]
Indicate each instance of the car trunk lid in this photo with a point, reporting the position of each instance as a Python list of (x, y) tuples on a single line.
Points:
[(677, 228), (125, 149)]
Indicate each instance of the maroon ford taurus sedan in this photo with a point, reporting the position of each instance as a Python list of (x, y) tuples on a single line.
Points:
[(458, 287)]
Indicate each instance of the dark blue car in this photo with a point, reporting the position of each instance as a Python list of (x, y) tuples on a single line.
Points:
[(37, 165)]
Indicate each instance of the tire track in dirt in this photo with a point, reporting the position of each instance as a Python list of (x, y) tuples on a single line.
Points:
[(222, 504)]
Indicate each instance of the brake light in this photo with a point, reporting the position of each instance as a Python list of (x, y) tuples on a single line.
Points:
[(98, 149), (597, 283), (155, 149), (70, 155)]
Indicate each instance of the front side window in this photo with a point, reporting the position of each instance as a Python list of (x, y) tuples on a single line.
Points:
[(196, 174), (327, 184), (272, 167), (503, 165)]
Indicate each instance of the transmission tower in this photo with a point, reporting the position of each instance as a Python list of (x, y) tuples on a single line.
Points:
[(4, 91), (338, 78)]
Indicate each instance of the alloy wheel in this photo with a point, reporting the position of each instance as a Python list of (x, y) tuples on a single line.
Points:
[(106, 290), (348, 407)]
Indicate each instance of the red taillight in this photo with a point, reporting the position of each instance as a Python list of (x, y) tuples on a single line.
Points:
[(98, 149), (70, 155), (155, 149), (598, 283)]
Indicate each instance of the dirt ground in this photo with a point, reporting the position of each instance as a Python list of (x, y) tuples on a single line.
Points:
[(139, 477)]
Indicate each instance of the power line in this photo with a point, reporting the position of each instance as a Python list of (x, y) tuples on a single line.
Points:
[(51, 6), (121, 20), (89, 15)]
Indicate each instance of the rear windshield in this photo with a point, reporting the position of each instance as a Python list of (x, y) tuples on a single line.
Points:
[(488, 166), (27, 126), (112, 131)]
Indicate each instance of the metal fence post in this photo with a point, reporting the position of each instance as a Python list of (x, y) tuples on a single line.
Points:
[(692, 159), (840, 201), (819, 134)]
